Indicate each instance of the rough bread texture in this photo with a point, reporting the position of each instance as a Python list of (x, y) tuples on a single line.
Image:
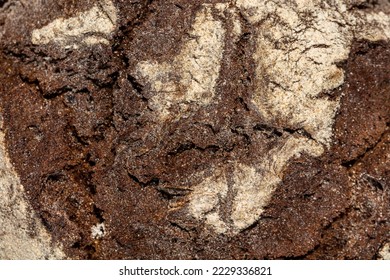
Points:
[(195, 129)]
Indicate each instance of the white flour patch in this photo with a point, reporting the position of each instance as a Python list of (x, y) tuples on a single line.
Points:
[(206, 198), (190, 79), (384, 253), (255, 185), (373, 26), (298, 58), (98, 231), (252, 186), (299, 45), (90, 27)]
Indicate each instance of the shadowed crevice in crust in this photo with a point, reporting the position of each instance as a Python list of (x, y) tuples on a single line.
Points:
[(122, 161)]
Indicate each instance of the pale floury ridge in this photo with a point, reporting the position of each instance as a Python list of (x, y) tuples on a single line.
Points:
[(90, 27), (252, 186), (384, 253), (299, 45), (196, 68)]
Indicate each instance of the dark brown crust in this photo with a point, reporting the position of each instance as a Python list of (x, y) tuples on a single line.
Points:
[(85, 144)]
